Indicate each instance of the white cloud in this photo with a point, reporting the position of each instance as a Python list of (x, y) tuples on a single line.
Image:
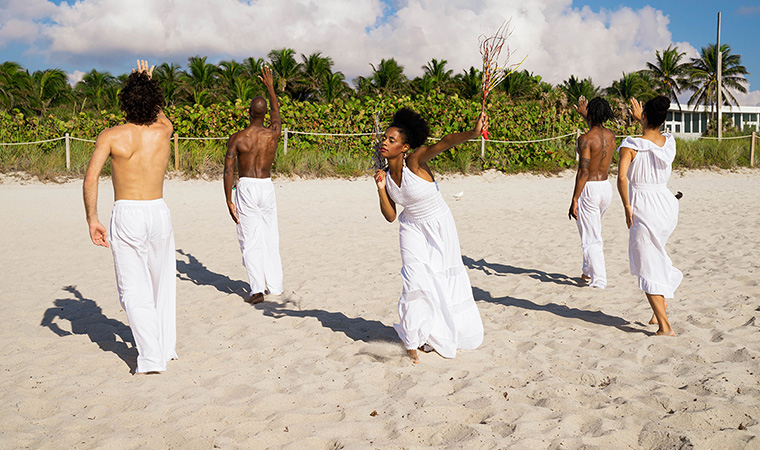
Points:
[(75, 77), (558, 39), (751, 98)]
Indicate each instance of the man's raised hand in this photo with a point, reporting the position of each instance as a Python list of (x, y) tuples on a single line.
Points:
[(582, 106), (142, 66), (266, 76)]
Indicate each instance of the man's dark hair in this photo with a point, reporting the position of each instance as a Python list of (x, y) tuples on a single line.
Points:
[(412, 126), (656, 110), (141, 99), (599, 111)]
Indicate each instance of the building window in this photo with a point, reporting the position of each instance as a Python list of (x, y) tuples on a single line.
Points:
[(687, 122), (670, 116)]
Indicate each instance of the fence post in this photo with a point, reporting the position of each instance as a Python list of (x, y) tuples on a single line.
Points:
[(285, 142), (482, 147), (176, 151), (577, 136), (752, 149), (68, 152)]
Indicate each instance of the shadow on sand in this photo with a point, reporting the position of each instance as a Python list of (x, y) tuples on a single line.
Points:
[(595, 317), (87, 318), (195, 272), (355, 328), (504, 269)]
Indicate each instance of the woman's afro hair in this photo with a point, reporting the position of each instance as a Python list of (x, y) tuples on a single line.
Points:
[(656, 110), (141, 99), (412, 126)]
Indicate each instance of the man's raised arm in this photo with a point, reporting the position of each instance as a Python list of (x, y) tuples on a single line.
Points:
[(274, 107)]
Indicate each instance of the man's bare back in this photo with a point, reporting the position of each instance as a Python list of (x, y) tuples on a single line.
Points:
[(595, 148), (139, 156), (599, 144), (254, 147)]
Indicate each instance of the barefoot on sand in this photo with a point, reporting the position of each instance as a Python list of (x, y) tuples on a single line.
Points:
[(256, 298), (413, 355)]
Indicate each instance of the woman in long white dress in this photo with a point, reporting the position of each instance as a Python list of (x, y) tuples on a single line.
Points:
[(436, 309), (651, 210)]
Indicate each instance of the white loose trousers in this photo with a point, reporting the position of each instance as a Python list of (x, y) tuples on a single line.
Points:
[(258, 234), (592, 204), (142, 243)]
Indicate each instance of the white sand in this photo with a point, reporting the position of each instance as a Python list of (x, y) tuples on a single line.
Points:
[(561, 366)]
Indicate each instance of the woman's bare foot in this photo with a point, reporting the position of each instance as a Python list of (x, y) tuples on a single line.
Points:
[(413, 355), (256, 298), (662, 332), (585, 279)]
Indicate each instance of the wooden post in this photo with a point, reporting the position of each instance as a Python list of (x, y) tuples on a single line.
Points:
[(577, 136), (752, 149), (482, 147), (176, 151), (68, 152), (285, 142)]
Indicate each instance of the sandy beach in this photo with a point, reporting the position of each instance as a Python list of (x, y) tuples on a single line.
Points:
[(320, 367)]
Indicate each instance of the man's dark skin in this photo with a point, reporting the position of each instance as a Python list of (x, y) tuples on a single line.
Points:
[(595, 150), (254, 147)]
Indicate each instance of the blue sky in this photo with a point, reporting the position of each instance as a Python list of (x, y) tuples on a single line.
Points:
[(591, 38)]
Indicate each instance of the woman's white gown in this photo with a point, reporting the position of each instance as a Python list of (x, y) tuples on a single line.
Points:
[(436, 305)]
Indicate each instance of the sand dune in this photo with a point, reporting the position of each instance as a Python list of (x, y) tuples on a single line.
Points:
[(321, 367)]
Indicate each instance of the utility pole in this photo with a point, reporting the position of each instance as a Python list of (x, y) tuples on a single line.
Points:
[(719, 95)]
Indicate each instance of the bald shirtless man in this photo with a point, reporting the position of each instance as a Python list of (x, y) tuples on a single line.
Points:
[(141, 235), (592, 193), (254, 209)]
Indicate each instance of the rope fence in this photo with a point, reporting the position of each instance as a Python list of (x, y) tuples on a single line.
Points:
[(176, 138)]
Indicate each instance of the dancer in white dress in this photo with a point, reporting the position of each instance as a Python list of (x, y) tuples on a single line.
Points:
[(436, 306), (651, 210)]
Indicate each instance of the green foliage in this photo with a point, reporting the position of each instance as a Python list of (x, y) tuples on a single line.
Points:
[(310, 155)]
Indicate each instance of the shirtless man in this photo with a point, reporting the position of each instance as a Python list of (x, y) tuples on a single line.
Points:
[(141, 236), (254, 208), (592, 193)]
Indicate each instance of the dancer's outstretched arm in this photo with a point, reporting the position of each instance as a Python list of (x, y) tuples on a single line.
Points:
[(426, 153)]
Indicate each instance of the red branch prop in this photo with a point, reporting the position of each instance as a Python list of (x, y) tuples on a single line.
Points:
[(493, 74)]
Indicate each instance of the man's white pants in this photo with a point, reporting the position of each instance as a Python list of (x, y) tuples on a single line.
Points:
[(592, 204), (258, 234), (142, 242)]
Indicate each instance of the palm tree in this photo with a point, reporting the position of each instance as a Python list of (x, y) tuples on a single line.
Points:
[(632, 85), (287, 69), (15, 85), (575, 88), (228, 74), (98, 88), (334, 86), (169, 77), (244, 89), (49, 88), (388, 77), (523, 84), (439, 76), (469, 83), (315, 68), (669, 72), (199, 80), (703, 76)]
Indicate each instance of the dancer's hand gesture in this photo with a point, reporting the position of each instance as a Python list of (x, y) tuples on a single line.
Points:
[(582, 106), (380, 179), (636, 109), (142, 66), (266, 77)]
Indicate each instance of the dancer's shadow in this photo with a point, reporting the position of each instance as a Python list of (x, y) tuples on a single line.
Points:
[(195, 272), (87, 318), (595, 317), (355, 328), (503, 269)]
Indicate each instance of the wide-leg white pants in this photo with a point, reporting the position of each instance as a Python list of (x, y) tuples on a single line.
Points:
[(592, 204), (142, 242), (258, 234)]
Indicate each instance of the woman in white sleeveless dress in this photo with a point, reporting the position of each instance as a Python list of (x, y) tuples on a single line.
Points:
[(651, 210), (436, 310)]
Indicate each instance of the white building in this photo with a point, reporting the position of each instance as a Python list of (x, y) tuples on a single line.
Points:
[(691, 122)]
